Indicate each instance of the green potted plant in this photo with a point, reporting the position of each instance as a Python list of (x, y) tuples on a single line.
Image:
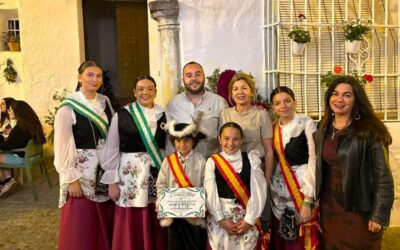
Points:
[(354, 30), (299, 36), (330, 76), (9, 72)]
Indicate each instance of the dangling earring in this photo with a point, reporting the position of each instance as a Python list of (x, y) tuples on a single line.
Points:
[(333, 114), (356, 115)]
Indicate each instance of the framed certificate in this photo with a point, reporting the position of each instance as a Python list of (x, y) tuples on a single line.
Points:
[(182, 203)]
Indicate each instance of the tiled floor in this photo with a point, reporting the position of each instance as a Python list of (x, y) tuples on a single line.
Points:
[(26, 224)]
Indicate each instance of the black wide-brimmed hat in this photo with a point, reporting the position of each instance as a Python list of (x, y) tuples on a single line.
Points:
[(180, 130)]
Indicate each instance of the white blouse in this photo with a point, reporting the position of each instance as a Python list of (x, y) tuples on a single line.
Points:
[(305, 173), (258, 186), (64, 143), (193, 164), (110, 158), (308, 181)]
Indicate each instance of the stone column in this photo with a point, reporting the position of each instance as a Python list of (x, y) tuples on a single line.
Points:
[(166, 14)]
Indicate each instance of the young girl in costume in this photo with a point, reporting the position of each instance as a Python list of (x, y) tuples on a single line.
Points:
[(80, 128), (294, 223), (236, 193), (182, 169)]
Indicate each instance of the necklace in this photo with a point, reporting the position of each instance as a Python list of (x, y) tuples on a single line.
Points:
[(337, 129)]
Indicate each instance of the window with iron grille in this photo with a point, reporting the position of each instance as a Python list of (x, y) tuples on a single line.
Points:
[(324, 20)]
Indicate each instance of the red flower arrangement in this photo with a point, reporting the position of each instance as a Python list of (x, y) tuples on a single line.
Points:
[(330, 76), (368, 78), (301, 16), (338, 70)]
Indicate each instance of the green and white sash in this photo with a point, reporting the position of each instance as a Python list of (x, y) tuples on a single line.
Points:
[(145, 134), (97, 120)]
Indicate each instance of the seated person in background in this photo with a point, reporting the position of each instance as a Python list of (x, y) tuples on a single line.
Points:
[(27, 127), (5, 121)]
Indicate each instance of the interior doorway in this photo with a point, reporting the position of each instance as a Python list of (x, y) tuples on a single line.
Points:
[(116, 36)]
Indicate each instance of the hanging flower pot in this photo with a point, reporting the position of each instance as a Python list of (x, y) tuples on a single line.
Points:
[(9, 72), (352, 47), (299, 36), (298, 48)]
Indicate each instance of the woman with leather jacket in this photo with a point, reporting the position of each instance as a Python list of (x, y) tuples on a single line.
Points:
[(353, 178)]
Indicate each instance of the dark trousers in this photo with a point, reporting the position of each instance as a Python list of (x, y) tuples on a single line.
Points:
[(184, 236)]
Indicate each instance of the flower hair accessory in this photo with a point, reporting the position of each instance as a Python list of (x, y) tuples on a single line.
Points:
[(361, 78)]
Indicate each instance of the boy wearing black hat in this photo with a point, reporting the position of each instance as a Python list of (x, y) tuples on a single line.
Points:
[(183, 233)]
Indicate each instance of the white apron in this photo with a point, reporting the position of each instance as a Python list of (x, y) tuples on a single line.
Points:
[(87, 162), (134, 173), (220, 239)]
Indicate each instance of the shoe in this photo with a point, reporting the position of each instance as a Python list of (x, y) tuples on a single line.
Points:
[(8, 187)]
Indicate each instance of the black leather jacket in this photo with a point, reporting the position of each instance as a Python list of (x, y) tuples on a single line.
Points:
[(367, 180)]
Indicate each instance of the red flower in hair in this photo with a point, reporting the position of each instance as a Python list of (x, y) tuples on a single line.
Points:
[(368, 78), (337, 69)]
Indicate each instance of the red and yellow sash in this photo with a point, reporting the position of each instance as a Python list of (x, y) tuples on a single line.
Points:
[(232, 178), (239, 189), (177, 169), (310, 229)]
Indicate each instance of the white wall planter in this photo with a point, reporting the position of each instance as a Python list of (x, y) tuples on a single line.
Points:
[(352, 47), (298, 48)]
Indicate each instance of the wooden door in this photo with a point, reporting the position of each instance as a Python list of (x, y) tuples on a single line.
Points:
[(133, 46)]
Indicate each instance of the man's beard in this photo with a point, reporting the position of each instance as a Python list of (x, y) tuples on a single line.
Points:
[(194, 92)]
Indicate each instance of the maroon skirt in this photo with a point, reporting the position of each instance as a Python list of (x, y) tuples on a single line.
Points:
[(277, 242), (86, 225), (137, 228)]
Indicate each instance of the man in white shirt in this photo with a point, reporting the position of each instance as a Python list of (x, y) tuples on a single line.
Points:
[(198, 103)]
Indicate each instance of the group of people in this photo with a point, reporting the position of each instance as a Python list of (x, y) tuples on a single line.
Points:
[(333, 179), (18, 124)]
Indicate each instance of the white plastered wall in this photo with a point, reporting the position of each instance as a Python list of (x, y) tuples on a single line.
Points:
[(52, 48), (51, 51), (217, 34), (394, 158)]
